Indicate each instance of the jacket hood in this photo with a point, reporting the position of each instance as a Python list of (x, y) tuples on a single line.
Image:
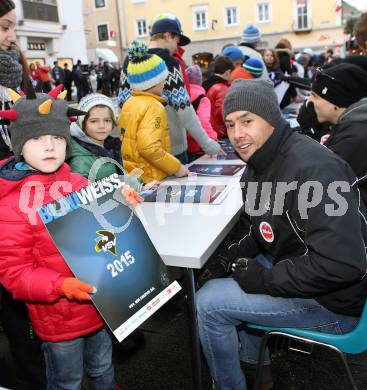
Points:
[(357, 112), (212, 80), (196, 90), (77, 132)]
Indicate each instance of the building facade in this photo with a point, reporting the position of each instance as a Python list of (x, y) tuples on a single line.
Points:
[(48, 31), (102, 30), (211, 24)]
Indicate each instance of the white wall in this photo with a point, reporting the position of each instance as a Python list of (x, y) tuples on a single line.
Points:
[(73, 41), (60, 43)]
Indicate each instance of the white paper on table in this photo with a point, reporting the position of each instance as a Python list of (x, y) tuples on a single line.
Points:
[(280, 90)]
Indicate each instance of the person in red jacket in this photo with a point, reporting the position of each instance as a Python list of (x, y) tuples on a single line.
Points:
[(31, 267), (202, 107), (216, 88), (42, 74)]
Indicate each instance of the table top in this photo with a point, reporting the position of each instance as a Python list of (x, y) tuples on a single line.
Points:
[(186, 234)]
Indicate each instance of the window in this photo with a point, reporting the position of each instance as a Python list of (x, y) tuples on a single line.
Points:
[(45, 10), (36, 45), (141, 28), (302, 21), (200, 15), (263, 13), (231, 16), (100, 3), (102, 32)]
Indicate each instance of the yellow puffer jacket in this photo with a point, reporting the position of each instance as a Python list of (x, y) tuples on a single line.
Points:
[(146, 143)]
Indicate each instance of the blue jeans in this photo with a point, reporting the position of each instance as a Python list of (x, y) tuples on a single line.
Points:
[(222, 305), (65, 362)]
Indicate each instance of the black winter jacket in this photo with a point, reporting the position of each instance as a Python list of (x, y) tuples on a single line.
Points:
[(315, 255), (348, 139)]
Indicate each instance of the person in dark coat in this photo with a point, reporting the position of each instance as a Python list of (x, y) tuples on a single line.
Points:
[(68, 80), (58, 74), (339, 94), (300, 259)]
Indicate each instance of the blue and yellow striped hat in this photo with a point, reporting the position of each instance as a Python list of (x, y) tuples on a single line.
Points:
[(144, 70)]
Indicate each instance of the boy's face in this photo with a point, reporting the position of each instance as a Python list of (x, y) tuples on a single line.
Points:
[(226, 75), (45, 153), (324, 110), (99, 124), (171, 42)]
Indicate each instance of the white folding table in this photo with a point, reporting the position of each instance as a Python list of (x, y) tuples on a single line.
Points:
[(185, 235)]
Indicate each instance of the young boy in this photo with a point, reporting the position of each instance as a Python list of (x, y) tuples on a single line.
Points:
[(146, 144), (216, 88), (166, 37), (31, 267)]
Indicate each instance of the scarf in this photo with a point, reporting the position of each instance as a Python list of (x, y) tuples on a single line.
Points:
[(11, 71)]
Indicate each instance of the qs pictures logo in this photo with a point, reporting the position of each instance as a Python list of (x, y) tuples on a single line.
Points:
[(106, 242)]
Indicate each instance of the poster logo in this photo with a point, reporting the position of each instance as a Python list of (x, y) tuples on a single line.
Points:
[(106, 242), (266, 232)]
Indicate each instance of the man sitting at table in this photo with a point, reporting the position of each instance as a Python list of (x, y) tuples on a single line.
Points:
[(300, 258)]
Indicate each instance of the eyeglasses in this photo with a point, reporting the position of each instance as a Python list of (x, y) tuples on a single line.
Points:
[(320, 72)]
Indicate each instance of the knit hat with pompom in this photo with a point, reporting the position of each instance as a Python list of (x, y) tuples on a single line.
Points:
[(144, 70)]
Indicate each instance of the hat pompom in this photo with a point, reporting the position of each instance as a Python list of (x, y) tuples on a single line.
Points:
[(137, 50)]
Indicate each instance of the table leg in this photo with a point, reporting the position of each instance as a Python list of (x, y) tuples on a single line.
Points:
[(195, 342)]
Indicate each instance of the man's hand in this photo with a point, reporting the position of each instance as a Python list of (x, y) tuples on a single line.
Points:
[(216, 267), (248, 273), (74, 289)]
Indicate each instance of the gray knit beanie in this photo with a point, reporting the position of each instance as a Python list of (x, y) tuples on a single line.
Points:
[(256, 96), (31, 123), (34, 115)]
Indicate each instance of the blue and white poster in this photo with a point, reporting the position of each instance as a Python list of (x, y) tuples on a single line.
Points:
[(105, 244)]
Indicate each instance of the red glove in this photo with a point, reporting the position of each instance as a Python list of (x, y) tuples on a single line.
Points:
[(131, 196), (72, 288)]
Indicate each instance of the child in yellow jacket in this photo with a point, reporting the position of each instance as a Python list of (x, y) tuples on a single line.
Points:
[(146, 141)]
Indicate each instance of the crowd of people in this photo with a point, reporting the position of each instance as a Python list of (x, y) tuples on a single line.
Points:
[(102, 78), (303, 265)]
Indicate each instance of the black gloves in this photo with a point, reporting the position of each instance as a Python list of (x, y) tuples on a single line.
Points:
[(249, 274), (307, 117), (216, 267)]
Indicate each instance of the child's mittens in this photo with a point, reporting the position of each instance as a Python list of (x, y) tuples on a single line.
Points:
[(131, 197), (74, 289)]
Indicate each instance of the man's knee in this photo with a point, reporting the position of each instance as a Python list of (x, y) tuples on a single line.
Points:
[(206, 296)]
